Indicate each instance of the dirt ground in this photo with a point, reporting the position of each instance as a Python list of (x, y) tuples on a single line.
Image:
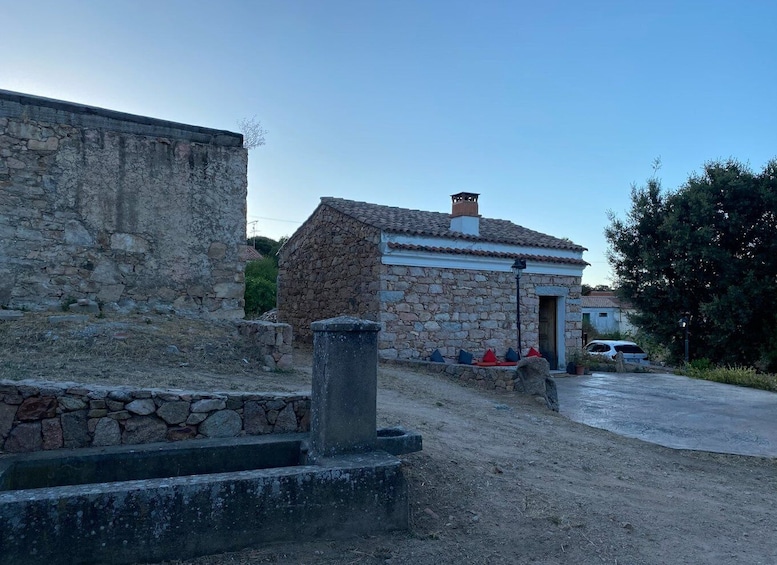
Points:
[(500, 479)]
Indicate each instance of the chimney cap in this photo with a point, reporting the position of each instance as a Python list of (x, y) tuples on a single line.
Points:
[(465, 196)]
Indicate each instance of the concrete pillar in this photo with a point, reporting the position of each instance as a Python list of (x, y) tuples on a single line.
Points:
[(345, 382)]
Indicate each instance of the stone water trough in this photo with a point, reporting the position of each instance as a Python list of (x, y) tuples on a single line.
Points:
[(130, 504)]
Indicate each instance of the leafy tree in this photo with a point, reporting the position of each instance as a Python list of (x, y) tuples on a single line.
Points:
[(708, 249), (260, 295)]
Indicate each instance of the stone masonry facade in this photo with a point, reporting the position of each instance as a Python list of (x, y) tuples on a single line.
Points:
[(331, 268), (426, 308), (37, 416), (133, 213)]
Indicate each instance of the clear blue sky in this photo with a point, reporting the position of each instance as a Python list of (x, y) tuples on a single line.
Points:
[(550, 110)]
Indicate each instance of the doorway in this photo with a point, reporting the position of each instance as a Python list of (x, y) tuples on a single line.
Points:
[(548, 315)]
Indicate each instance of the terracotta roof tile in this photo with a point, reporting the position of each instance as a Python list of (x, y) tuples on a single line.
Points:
[(419, 222), (248, 253), (610, 301), (497, 254)]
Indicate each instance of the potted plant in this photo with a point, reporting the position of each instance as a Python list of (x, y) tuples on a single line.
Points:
[(579, 361)]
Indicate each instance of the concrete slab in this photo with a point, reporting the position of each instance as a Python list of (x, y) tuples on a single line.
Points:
[(674, 411)]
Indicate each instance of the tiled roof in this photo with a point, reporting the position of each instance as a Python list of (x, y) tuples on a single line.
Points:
[(538, 258), (248, 253), (599, 302), (419, 222), (604, 301)]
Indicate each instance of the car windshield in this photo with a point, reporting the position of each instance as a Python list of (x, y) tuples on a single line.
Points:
[(629, 348), (597, 348)]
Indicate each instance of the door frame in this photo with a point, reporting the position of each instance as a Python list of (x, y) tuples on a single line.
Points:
[(561, 294)]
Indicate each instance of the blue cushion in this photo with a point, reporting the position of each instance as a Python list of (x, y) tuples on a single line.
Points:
[(511, 355), (465, 358), (437, 357)]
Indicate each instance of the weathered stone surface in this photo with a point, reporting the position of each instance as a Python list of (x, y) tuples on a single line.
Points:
[(67, 319), (24, 437), (121, 395), (84, 306), (196, 418), (254, 419), (178, 434), (37, 408), (74, 429), (285, 362), (7, 416), (86, 416), (144, 429), (286, 420), (225, 423), (54, 171), (209, 405), (174, 412), (107, 432), (51, 430), (533, 378), (11, 314), (70, 403), (142, 407)]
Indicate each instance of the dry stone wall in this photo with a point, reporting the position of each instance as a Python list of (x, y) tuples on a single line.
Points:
[(127, 211), (428, 308), (38, 416), (329, 268)]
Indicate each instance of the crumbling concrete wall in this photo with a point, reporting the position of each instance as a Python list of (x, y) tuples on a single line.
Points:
[(131, 212)]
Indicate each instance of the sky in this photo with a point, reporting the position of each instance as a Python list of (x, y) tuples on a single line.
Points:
[(550, 110)]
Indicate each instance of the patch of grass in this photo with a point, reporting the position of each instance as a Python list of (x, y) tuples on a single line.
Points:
[(734, 375)]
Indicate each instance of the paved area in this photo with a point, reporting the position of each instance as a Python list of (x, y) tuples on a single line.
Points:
[(674, 411)]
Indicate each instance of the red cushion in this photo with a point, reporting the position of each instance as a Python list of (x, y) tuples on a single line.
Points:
[(533, 353), (489, 357)]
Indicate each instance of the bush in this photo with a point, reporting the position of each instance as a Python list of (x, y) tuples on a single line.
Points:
[(260, 296), (734, 375)]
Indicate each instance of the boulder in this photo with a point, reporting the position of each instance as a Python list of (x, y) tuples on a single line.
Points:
[(532, 377)]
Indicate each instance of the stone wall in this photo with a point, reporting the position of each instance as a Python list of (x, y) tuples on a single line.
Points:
[(501, 379), (38, 416), (272, 341), (428, 308), (131, 212), (329, 268)]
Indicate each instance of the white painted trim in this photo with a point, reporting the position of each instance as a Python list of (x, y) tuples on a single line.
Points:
[(465, 244), (414, 258)]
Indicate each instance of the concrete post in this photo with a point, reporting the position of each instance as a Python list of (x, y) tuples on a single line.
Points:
[(345, 382)]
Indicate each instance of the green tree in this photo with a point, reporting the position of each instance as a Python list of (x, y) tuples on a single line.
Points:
[(708, 249), (260, 295)]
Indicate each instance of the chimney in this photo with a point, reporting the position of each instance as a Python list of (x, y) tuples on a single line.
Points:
[(464, 213)]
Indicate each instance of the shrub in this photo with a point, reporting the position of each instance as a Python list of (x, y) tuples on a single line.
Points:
[(261, 287), (734, 375)]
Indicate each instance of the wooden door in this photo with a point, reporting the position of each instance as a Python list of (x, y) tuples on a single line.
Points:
[(548, 346)]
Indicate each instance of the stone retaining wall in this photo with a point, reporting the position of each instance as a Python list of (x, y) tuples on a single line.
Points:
[(37, 415), (272, 341), (489, 378)]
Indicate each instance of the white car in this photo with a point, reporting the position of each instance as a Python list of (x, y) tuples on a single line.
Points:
[(632, 353)]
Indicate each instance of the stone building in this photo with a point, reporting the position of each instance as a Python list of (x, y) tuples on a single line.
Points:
[(131, 212), (433, 280)]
